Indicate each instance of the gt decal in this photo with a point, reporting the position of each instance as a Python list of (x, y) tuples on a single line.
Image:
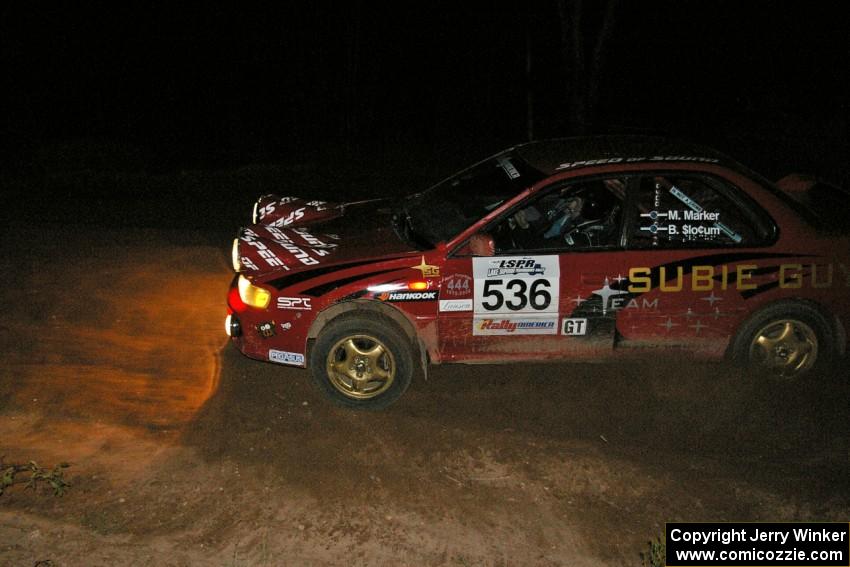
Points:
[(574, 327)]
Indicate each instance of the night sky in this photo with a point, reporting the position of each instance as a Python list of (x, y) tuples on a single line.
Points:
[(210, 86)]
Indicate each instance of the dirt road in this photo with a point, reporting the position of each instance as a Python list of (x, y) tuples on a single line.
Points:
[(183, 452)]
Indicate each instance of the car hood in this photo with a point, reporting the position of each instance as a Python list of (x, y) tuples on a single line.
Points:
[(294, 240)]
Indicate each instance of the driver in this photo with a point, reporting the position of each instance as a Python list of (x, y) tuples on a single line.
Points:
[(566, 214), (533, 227)]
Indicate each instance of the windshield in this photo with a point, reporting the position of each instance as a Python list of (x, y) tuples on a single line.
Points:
[(445, 210)]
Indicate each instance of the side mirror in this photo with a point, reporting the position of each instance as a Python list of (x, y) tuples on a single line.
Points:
[(482, 244)]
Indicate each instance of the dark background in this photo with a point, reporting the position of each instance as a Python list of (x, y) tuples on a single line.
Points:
[(353, 90)]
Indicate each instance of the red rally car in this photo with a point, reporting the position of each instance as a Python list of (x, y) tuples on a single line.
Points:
[(576, 249)]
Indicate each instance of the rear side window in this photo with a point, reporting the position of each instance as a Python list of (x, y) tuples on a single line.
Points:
[(692, 212)]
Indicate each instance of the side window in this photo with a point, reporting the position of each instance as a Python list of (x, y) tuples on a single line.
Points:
[(683, 212), (580, 216)]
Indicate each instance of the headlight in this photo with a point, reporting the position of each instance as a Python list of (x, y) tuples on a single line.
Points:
[(234, 256), (252, 295), (254, 214)]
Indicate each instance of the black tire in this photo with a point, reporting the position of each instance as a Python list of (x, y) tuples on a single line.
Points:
[(788, 339), (353, 356)]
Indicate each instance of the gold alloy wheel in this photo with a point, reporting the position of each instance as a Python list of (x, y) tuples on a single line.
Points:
[(787, 347), (360, 367)]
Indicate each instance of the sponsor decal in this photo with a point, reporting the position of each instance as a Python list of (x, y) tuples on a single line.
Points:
[(246, 262), (635, 159), (251, 238), (395, 296), (266, 330), (314, 241), (284, 357), (428, 271), (515, 326), (458, 285), (516, 286), (295, 303), (509, 168), (295, 215), (709, 278), (574, 327), (456, 305), (515, 266), (318, 205), (286, 326)]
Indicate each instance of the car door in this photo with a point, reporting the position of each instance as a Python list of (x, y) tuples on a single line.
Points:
[(549, 288), (689, 268)]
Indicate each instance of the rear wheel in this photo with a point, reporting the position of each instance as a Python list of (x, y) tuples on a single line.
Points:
[(788, 340), (362, 361)]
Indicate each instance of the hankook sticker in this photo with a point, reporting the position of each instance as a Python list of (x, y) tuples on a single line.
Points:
[(396, 296)]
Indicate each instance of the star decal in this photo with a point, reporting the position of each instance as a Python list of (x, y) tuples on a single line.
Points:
[(698, 326), (428, 271), (711, 299), (606, 292)]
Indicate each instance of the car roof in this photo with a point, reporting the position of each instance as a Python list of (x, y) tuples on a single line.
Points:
[(552, 156)]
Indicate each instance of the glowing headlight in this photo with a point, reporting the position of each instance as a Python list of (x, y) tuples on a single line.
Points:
[(253, 295), (234, 256), (254, 214)]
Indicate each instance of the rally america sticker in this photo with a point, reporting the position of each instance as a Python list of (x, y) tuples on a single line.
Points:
[(515, 325), (513, 294)]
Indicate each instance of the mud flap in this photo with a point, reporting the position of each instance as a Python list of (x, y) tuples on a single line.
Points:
[(423, 359)]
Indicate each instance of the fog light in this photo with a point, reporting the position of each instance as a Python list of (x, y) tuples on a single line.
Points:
[(232, 326)]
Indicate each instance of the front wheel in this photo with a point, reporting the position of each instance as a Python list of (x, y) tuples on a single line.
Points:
[(787, 340), (362, 361)]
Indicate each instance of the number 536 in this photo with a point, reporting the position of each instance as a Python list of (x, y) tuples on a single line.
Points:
[(516, 295)]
